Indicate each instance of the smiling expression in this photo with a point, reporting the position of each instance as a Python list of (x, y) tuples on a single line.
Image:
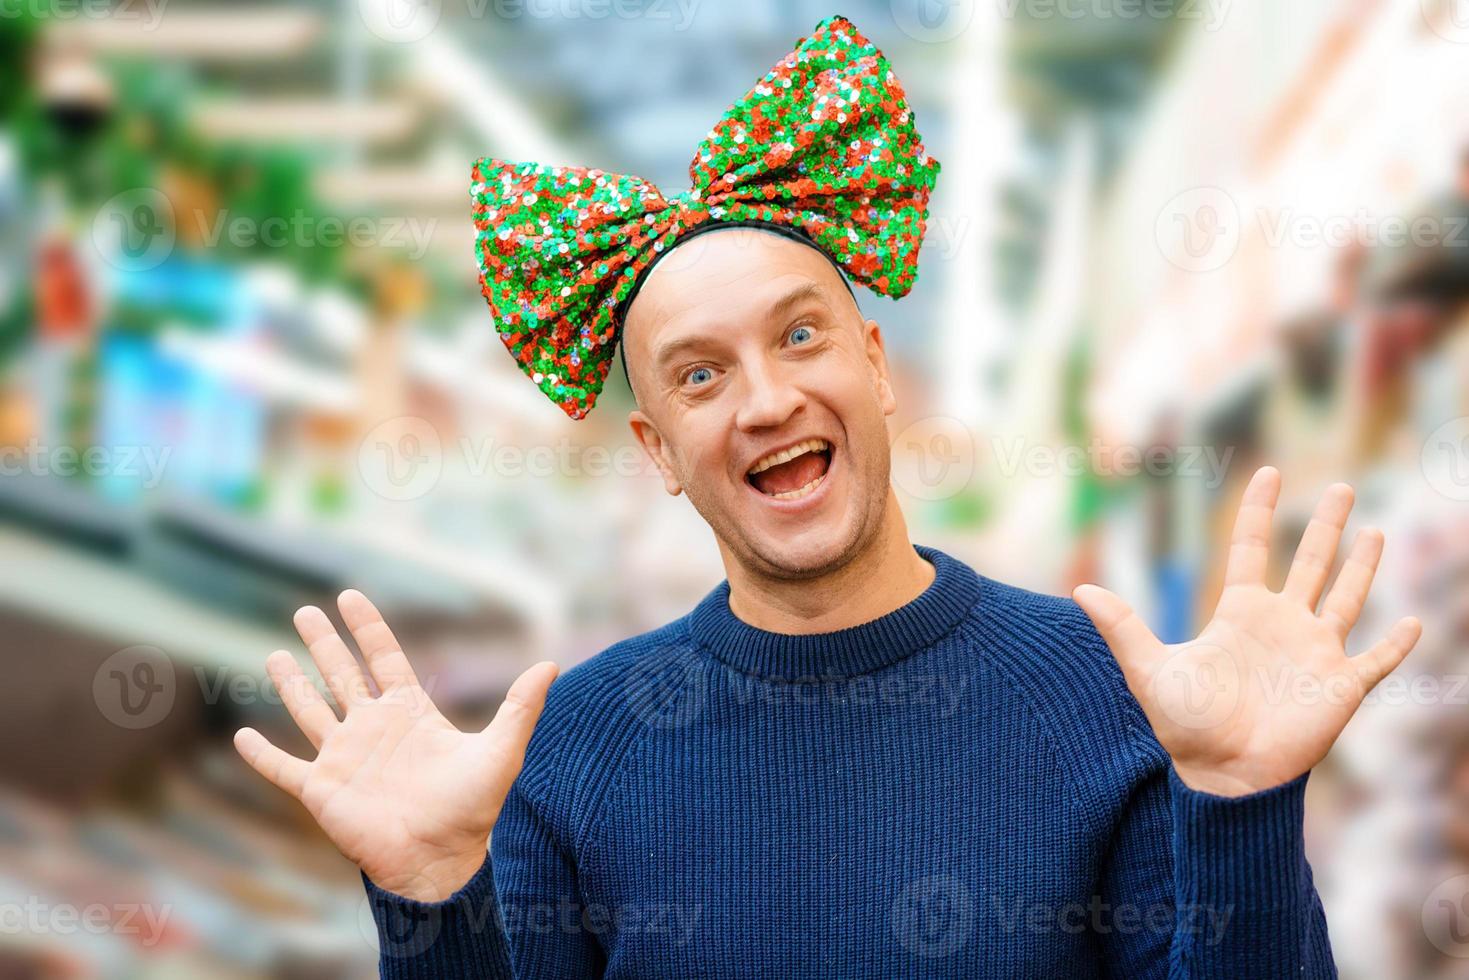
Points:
[(763, 394)]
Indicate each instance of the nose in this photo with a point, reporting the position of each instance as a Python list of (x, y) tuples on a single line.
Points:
[(770, 399)]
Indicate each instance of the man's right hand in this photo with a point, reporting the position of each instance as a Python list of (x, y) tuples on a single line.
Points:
[(398, 789)]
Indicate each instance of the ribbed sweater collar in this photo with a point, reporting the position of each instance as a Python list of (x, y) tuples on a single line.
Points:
[(878, 643)]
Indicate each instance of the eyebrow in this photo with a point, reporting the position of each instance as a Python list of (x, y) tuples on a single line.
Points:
[(801, 294)]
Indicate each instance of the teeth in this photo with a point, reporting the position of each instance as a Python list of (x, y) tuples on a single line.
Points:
[(803, 491), (809, 446)]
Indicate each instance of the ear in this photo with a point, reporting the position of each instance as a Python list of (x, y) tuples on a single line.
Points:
[(877, 357), (647, 435)]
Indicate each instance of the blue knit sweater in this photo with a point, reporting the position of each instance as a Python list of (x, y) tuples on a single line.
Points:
[(962, 788)]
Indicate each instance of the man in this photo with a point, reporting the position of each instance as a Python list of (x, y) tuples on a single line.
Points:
[(856, 757)]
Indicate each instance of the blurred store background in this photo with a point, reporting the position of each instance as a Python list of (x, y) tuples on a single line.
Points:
[(244, 364)]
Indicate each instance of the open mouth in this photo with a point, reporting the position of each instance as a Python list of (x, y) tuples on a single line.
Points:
[(793, 472)]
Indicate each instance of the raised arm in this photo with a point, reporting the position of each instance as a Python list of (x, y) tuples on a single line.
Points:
[(403, 793), (1245, 711)]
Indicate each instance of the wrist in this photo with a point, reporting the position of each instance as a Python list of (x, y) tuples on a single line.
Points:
[(432, 881), (1229, 781)]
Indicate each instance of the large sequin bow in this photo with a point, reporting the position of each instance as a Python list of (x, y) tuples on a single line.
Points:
[(825, 143)]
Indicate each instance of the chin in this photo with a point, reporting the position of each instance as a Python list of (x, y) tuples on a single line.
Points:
[(809, 553)]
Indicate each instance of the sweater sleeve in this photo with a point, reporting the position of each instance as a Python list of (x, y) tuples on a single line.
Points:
[(520, 916), (1200, 886)]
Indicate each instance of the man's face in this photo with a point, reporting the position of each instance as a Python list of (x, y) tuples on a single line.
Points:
[(762, 393)]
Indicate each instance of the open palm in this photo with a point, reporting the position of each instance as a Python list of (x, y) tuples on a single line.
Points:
[(1260, 696), (397, 788)]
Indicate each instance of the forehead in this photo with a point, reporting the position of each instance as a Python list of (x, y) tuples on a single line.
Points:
[(730, 275)]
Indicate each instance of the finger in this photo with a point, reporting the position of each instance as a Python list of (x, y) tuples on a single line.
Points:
[(281, 768), (513, 724), (344, 678), (380, 648), (1249, 545), (307, 707), (1384, 658), (1317, 550), (1131, 642), (1348, 593)]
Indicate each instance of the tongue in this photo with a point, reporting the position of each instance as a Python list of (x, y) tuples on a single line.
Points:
[(793, 474)]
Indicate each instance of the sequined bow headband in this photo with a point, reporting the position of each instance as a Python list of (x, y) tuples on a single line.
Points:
[(824, 144)]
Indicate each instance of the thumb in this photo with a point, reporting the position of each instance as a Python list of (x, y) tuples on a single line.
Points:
[(510, 730), (1129, 638)]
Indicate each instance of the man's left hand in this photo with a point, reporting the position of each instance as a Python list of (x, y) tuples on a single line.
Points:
[(1261, 694)]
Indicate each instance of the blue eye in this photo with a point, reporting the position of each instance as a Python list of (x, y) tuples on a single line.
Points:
[(800, 335), (700, 376)]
